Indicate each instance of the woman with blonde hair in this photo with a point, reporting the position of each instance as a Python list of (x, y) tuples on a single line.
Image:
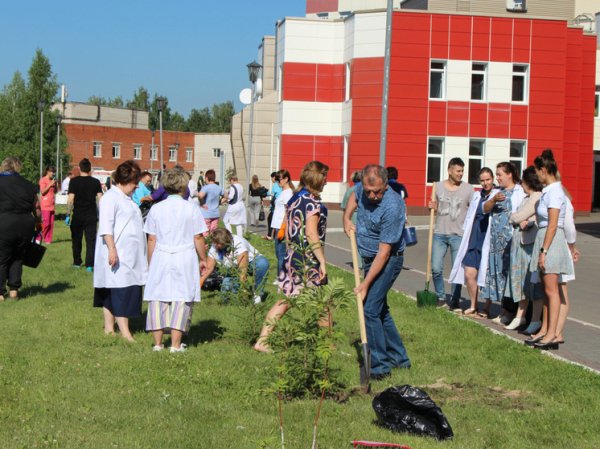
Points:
[(256, 193), (305, 227), (176, 250)]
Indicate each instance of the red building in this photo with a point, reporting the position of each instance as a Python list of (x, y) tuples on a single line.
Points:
[(486, 89)]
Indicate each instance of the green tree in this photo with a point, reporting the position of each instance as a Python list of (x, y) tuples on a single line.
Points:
[(199, 121), (140, 101), (221, 115), (153, 119), (177, 122)]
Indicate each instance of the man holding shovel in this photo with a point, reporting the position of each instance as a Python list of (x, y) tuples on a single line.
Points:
[(380, 223)]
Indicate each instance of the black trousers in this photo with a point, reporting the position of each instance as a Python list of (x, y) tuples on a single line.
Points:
[(16, 232), (79, 227)]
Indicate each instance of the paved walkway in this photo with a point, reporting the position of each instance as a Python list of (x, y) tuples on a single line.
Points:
[(582, 335)]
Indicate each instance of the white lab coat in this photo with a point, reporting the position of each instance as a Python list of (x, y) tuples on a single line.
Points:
[(121, 218), (236, 213), (457, 275), (174, 273)]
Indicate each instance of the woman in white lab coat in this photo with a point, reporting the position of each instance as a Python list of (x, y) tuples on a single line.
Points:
[(120, 265), (175, 248), (236, 211), (470, 265)]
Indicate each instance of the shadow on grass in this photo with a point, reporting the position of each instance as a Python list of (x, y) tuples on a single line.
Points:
[(204, 332), (33, 290)]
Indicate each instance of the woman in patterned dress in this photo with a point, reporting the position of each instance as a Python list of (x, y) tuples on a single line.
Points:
[(501, 205), (305, 225)]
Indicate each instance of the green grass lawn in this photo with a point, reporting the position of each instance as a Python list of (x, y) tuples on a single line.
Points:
[(64, 384)]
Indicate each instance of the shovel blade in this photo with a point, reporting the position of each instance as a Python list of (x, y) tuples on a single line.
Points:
[(365, 368), (425, 298)]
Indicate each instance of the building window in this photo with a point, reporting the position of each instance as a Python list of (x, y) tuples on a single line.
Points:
[(478, 75), (437, 79), (476, 157), (216, 152), (597, 101), (172, 154), (97, 150), (519, 83), (116, 151), (137, 152), (189, 155), (435, 154), (347, 93), (517, 154), (153, 153)]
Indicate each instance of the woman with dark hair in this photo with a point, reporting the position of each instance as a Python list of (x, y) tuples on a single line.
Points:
[(550, 256), (256, 193), (519, 286), (470, 265), (305, 226), (120, 265), (19, 210), (210, 196), (279, 215), (501, 205), (235, 215), (48, 191)]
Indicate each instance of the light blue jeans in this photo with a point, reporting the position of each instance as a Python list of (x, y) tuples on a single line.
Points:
[(441, 244), (259, 267)]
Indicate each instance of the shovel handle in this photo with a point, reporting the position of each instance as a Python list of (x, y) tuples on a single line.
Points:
[(430, 243), (359, 299)]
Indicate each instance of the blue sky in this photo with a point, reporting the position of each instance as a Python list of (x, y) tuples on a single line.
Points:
[(192, 51)]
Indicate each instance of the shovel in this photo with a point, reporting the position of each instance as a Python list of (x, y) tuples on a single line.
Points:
[(365, 366), (425, 297)]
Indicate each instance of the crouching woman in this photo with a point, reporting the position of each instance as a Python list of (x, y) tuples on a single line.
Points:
[(233, 251), (176, 252)]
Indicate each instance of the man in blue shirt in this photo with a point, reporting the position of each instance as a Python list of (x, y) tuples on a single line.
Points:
[(143, 188), (380, 223)]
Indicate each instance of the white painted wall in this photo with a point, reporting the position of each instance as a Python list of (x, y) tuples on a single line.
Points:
[(313, 41), (499, 82), (203, 153), (458, 80), (369, 36), (312, 119)]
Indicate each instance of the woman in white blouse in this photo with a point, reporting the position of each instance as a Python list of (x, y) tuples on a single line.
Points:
[(120, 265), (236, 211), (550, 252), (279, 215)]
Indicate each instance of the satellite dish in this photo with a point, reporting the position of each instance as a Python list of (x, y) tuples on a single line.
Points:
[(246, 96)]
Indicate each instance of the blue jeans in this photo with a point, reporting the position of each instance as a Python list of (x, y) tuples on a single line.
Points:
[(385, 342), (441, 243), (280, 251), (259, 267)]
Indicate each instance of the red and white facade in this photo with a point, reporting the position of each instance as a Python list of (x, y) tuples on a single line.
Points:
[(535, 89)]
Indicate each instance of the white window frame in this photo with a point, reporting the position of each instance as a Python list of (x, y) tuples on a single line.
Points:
[(137, 151), (347, 85), (172, 153), (189, 154), (436, 156), (153, 152), (525, 75), (475, 157), (444, 72), (216, 152), (97, 146), (478, 71), (116, 150), (523, 158)]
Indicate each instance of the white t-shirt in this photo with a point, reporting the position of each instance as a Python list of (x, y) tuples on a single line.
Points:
[(553, 197), (240, 246), (570, 231), (231, 194), (193, 188), (64, 187), (279, 211)]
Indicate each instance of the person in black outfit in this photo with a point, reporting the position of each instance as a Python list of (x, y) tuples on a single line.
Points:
[(84, 193), (400, 189), (19, 209)]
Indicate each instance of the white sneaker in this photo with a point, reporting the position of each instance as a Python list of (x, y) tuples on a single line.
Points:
[(181, 348), (158, 348), (515, 323), (257, 299)]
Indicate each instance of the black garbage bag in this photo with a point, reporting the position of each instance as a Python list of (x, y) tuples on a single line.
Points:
[(409, 409)]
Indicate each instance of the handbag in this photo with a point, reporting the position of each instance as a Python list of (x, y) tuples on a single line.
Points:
[(409, 235), (261, 214), (33, 254)]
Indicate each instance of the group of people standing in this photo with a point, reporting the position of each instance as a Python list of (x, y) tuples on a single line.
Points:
[(512, 244)]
